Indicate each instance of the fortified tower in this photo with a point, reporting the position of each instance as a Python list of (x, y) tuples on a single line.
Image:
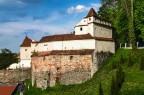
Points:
[(95, 25)]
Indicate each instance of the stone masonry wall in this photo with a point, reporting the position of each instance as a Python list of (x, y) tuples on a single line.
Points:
[(13, 76), (65, 69)]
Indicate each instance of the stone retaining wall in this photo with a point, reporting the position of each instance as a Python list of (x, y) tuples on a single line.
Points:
[(67, 69), (13, 76)]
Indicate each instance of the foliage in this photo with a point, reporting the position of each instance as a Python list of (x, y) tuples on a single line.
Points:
[(113, 65), (119, 78), (130, 62), (7, 58), (142, 64), (116, 83), (139, 19), (34, 53), (122, 60), (100, 89), (127, 19), (113, 88)]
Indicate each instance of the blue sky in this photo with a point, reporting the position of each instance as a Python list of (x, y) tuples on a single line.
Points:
[(38, 18)]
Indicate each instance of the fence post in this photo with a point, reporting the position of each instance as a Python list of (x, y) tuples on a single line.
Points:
[(137, 44), (120, 45), (125, 45), (130, 45)]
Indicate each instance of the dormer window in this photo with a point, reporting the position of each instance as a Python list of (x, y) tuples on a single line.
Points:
[(81, 29)]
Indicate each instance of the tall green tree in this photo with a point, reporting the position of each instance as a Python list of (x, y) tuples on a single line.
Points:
[(121, 13), (128, 7), (139, 20), (7, 58)]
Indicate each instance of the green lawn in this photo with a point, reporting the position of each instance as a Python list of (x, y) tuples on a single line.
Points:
[(133, 83)]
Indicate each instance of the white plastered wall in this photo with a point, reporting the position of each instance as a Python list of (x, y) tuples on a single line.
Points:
[(105, 46), (100, 31), (67, 45), (86, 25), (25, 57)]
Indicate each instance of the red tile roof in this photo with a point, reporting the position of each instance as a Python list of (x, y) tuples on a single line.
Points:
[(7, 90), (104, 39), (26, 43), (66, 52), (64, 37)]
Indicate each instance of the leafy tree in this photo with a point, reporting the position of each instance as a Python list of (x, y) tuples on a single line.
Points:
[(7, 58), (100, 89), (120, 12), (139, 20)]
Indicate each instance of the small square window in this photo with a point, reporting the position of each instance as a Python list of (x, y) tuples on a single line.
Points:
[(25, 49), (89, 19)]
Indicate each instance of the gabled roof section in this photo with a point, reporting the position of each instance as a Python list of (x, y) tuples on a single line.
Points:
[(65, 37), (26, 43), (91, 13)]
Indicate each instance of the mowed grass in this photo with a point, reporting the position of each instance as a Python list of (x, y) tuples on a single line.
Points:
[(133, 83)]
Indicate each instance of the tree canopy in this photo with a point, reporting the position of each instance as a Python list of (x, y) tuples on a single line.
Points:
[(7, 58), (127, 17)]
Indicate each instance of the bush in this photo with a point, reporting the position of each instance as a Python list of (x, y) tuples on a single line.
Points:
[(113, 86), (117, 83), (113, 65), (100, 90), (122, 60), (119, 77), (142, 64), (130, 62)]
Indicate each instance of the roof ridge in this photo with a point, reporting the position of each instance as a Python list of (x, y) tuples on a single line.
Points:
[(65, 37)]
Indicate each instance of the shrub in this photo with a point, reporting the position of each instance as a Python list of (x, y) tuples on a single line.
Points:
[(100, 89), (113, 65), (142, 64), (122, 60), (113, 86), (130, 62), (117, 83)]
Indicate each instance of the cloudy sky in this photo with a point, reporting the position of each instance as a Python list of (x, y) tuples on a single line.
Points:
[(38, 18)]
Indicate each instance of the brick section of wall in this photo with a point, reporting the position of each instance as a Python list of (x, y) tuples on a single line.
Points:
[(13, 76), (68, 69)]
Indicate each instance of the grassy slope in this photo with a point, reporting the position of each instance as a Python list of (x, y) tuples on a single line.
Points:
[(133, 84)]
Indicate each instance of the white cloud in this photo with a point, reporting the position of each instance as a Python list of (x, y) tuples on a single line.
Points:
[(15, 28), (77, 9), (82, 8)]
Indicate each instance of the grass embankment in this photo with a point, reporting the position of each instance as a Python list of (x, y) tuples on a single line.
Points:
[(133, 83)]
